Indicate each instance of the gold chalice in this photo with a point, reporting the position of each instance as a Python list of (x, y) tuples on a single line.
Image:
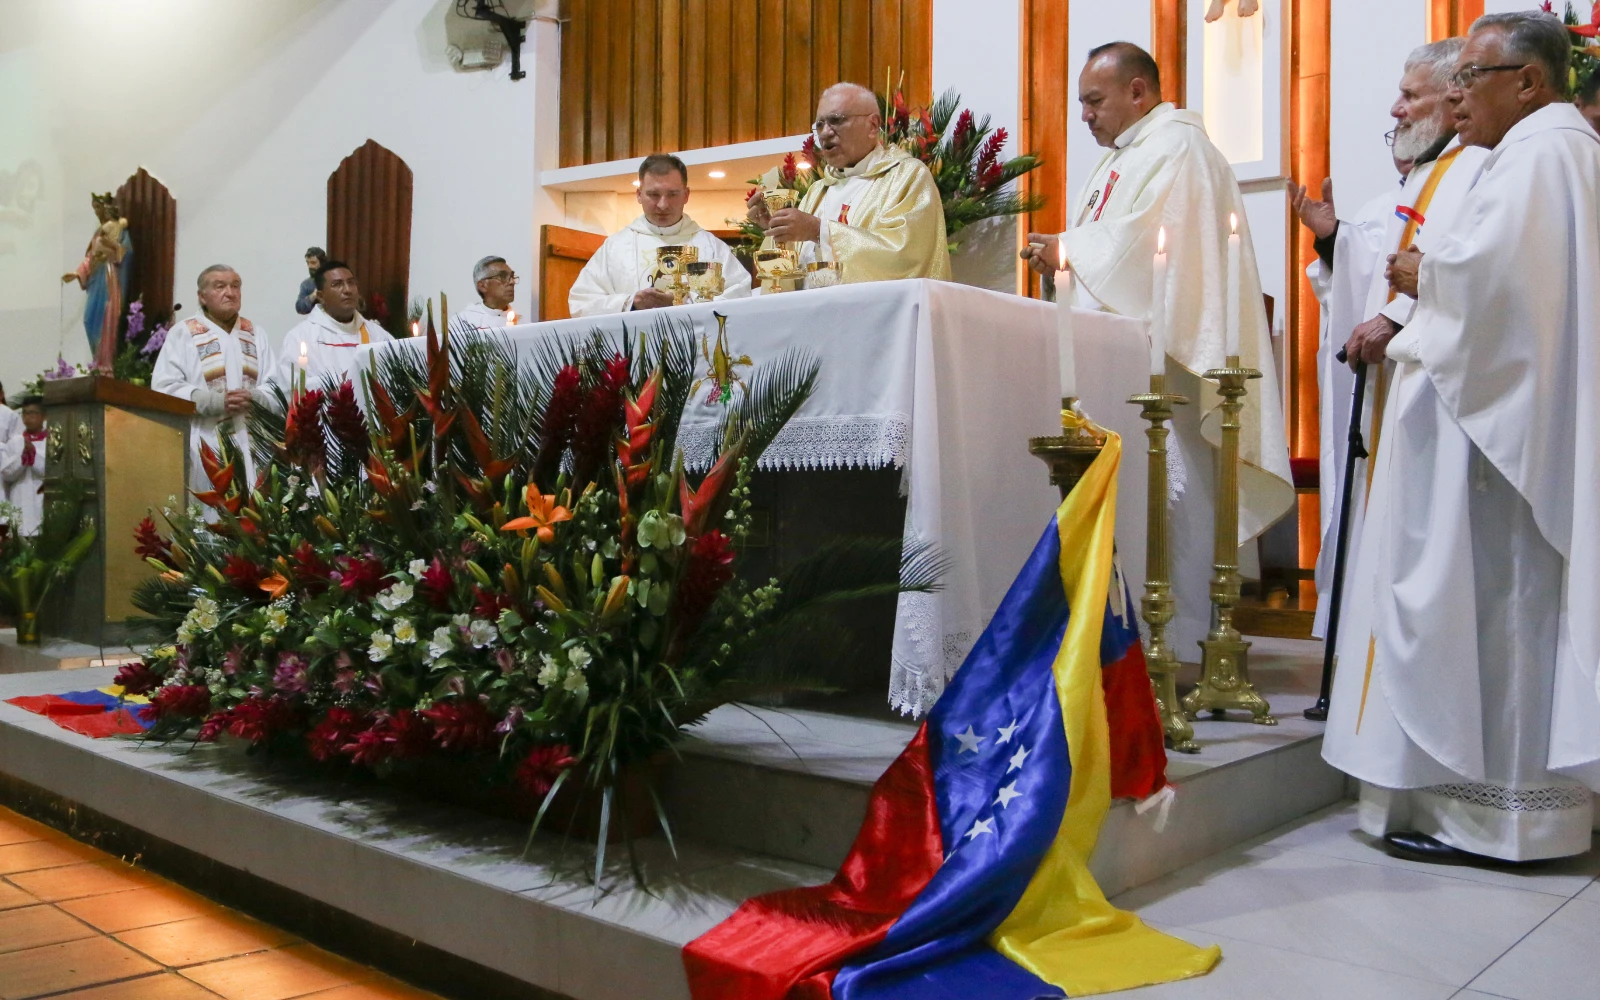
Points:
[(782, 198), (669, 274), (705, 279), (773, 264)]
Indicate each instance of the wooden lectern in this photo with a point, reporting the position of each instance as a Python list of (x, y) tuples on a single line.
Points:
[(128, 446)]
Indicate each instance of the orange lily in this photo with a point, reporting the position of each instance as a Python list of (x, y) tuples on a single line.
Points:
[(275, 586), (543, 515)]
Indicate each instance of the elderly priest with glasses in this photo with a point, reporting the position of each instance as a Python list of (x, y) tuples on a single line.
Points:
[(875, 210), (620, 275), (497, 286)]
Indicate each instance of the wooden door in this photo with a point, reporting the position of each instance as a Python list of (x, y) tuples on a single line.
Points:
[(369, 228), (562, 254), (152, 216)]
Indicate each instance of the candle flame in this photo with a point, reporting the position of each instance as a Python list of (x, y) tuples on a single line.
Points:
[(801, 165), (511, 317), (302, 352), (1161, 240), (1233, 223), (1061, 253), (414, 328)]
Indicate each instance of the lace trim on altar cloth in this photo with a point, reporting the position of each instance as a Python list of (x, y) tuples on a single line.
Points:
[(870, 441), (1515, 800), (912, 687)]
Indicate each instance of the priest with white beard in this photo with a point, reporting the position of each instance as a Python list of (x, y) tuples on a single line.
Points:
[(1348, 278), (620, 275), (497, 286), (1469, 708), (327, 339), (215, 359), (1161, 170)]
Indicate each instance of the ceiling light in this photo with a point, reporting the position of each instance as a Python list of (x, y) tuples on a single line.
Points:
[(717, 175)]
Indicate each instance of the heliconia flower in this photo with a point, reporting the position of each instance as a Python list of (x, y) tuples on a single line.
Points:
[(364, 575), (327, 738), (178, 701), (461, 724), (394, 424), (137, 678), (538, 771), (221, 478), (634, 445), (349, 427), (543, 514), (243, 572), (309, 569), (697, 505), (150, 543), (492, 468)]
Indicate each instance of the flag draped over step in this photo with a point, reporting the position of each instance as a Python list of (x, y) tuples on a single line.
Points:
[(969, 878), (101, 712)]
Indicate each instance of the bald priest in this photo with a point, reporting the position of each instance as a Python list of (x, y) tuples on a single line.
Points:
[(875, 210), (620, 276)]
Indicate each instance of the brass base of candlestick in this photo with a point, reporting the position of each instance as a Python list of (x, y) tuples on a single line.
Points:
[(1157, 606), (1070, 453), (1225, 656)]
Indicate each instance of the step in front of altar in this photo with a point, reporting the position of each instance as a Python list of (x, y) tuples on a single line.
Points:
[(441, 881)]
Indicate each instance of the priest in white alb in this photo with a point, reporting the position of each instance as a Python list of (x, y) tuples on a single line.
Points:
[(1469, 708), (496, 285), (1162, 171), (22, 465), (215, 359), (621, 276), (322, 347)]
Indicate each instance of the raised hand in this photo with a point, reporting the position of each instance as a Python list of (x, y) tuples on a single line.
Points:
[(1317, 216)]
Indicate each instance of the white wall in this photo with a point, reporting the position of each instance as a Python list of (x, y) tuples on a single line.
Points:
[(1095, 22), (1367, 62), (243, 110)]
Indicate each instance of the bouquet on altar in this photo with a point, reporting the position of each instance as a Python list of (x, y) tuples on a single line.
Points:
[(506, 562), (1585, 38), (31, 566)]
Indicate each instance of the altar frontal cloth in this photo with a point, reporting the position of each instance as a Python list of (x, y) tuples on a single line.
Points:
[(970, 875)]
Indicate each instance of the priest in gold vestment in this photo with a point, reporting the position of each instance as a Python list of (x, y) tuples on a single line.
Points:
[(875, 211)]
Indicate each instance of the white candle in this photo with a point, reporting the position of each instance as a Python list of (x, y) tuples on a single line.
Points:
[(414, 328), (511, 317), (1158, 307), (304, 361), (1232, 329), (1066, 347)]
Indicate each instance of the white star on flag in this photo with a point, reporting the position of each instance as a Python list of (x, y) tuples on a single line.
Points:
[(1007, 794), (980, 828), (1017, 758), (1005, 733), (969, 741)]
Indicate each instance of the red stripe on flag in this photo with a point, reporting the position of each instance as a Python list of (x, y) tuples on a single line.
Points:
[(788, 945), (93, 721), (1138, 747)]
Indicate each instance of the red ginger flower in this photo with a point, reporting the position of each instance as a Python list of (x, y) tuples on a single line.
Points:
[(560, 416), (964, 127), (244, 573), (256, 719), (137, 678), (709, 569), (309, 569), (363, 575), (150, 543), (808, 150), (787, 171), (487, 604), (303, 442), (597, 421), (538, 772), (463, 725), (401, 734), (436, 583), (327, 739), (349, 427), (990, 169), (179, 701)]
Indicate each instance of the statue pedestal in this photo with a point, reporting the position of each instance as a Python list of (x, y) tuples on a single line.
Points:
[(129, 446)]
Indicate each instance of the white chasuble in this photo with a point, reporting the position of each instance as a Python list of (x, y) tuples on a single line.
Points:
[(1466, 694), (201, 362), (330, 351), (626, 260), (1164, 172)]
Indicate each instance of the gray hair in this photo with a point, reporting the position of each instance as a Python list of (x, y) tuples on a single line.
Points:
[(854, 90), (1438, 57), (1537, 37), (480, 270), (200, 282)]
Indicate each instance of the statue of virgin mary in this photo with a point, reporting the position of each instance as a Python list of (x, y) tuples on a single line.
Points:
[(103, 274)]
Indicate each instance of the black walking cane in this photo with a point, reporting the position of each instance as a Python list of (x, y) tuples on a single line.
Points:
[(1358, 450)]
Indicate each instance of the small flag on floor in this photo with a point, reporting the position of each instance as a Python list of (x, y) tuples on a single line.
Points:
[(970, 875), (104, 711)]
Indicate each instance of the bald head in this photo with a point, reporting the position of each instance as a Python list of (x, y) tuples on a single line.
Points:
[(1119, 85), (847, 124)]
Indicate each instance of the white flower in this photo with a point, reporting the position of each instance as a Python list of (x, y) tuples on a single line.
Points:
[(294, 481), (277, 619), (417, 568), (579, 656), (481, 633), (201, 618), (404, 631), (382, 646), (396, 597), (460, 621), (440, 644), (575, 684), (550, 673)]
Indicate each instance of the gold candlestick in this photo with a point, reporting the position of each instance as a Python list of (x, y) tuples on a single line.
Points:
[(1070, 453), (1225, 657), (1157, 606)]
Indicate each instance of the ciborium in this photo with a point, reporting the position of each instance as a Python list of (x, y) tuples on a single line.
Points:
[(823, 274), (705, 279), (670, 274)]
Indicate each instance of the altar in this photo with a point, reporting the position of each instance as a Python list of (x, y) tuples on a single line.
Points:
[(943, 384)]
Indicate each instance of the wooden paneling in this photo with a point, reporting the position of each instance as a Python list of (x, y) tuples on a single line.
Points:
[(645, 76), (562, 254), (1046, 114), (1449, 18), (369, 227), (152, 216), (1169, 44)]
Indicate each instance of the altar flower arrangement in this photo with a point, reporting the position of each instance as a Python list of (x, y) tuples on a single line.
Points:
[(31, 566), (1585, 42), (136, 359), (508, 565)]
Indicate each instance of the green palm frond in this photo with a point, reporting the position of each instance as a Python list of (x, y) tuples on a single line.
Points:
[(774, 393)]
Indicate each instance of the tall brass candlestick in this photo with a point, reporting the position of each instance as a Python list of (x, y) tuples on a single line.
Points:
[(1225, 656), (1070, 453), (1157, 606)]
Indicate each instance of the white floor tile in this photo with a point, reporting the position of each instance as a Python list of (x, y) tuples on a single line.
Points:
[(1560, 960), (1251, 971), (1444, 930), (1591, 893), (1335, 834)]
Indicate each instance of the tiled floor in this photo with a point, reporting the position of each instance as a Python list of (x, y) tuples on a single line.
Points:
[(80, 925), (1316, 912)]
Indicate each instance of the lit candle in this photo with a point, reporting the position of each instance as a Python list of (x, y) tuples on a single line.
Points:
[(1158, 307), (511, 317), (414, 328), (1066, 347), (304, 361), (1232, 329)]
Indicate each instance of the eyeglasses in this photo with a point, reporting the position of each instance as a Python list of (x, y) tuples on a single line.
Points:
[(834, 122), (1467, 77), (506, 276)]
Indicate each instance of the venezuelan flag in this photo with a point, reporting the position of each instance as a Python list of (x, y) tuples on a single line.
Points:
[(107, 711), (970, 875)]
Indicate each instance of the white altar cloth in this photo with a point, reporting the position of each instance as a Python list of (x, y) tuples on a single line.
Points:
[(945, 382)]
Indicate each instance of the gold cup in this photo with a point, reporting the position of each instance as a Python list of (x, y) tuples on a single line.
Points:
[(669, 275), (773, 265), (705, 279), (782, 198)]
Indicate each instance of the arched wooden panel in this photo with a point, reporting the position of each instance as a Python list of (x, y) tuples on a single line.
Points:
[(1169, 44), (1449, 18), (152, 216), (369, 228), (1046, 115)]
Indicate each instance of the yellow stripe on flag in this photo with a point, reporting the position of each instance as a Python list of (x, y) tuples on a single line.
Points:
[(1063, 930)]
